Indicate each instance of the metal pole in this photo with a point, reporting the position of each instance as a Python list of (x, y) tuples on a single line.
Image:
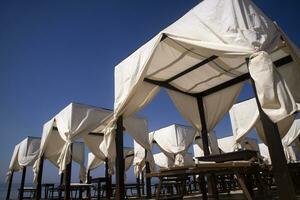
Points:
[(108, 180), (279, 164), (39, 180), (21, 192), (61, 185), (138, 182), (204, 134), (67, 177), (9, 185), (148, 181), (143, 183), (120, 165), (212, 185)]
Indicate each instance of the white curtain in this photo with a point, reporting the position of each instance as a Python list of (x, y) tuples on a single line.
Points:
[(174, 141), (14, 164), (232, 30)]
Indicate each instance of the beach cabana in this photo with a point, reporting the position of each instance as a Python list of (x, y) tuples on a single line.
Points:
[(94, 162), (24, 155), (229, 144), (202, 60), (174, 141), (244, 117), (292, 153), (77, 122), (163, 161)]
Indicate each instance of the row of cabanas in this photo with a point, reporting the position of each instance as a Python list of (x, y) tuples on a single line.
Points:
[(202, 60), (173, 142)]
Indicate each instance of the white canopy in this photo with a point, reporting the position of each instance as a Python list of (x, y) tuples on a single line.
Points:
[(292, 134), (228, 144), (74, 122), (94, 162), (174, 141), (164, 161), (292, 153), (244, 116), (203, 50), (212, 141), (25, 153)]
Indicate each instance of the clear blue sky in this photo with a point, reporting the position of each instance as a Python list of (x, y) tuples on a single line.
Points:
[(56, 52)]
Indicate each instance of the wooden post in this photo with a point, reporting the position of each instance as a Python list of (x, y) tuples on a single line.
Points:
[(108, 180), (39, 180), (9, 185), (148, 181), (21, 192), (279, 164), (61, 185), (212, 187), (67, 177), (143, 183), (204, 134), (138, 182), (120, 165)]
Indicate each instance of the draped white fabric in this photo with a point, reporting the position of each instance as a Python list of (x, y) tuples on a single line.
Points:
[(25, 154), (228, 144), (77, 121), (174, 141), (140, 158), (292, 134), (94, 162), (164, 161), (264, 152), (212, 142), (231, 30), (244, 116), (291, 152), (273, 93)]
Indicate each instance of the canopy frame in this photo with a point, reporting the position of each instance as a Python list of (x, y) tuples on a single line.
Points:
[(267, 122)]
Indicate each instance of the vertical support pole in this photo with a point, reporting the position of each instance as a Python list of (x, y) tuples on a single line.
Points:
[(148, 181), (143, 183), (204, 134), (67, 177), (9, 185), (212, 186), (39, 180), (138, 188), (61, 185), (108, 180), (88, 192), (120, 165), (21, 192), (279, 164)]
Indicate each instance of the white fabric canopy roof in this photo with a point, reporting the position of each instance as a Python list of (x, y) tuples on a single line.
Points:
[(232, 30), (164, 161), (244, 116), (77, 121), (25, 153), (94, 162), (292, 153), (228, 144), (174, 141)]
